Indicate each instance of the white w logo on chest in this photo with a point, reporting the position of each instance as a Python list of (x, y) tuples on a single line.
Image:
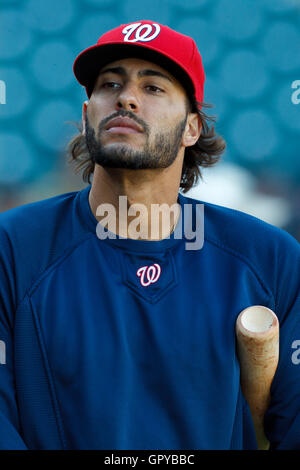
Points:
[(149, 274)]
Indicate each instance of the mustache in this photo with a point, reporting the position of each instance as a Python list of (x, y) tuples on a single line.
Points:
[(123, 113)]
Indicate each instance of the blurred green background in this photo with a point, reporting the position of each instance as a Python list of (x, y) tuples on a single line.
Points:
[(251, 55)]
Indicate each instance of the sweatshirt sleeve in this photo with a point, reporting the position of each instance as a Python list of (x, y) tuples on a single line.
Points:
[(282, 419), (10, 433)]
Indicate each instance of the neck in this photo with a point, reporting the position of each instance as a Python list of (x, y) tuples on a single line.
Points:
[(139, 204)]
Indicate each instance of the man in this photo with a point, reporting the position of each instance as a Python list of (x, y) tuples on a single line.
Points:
[(119, 333)]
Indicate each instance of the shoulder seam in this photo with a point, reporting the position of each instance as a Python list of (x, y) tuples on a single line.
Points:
[(245, 260), (48, 268)]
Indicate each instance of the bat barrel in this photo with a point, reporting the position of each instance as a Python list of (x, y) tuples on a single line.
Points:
[(257, 332)]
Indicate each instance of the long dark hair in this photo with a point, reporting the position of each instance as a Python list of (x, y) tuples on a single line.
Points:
[(204, 153)]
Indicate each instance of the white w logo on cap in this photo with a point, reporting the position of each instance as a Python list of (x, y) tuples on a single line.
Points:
[(139, 36)]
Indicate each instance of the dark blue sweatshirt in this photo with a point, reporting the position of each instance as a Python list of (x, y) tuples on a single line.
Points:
[(98, 351)]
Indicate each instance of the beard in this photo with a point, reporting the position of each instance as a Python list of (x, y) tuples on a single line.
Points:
[(160, 153)]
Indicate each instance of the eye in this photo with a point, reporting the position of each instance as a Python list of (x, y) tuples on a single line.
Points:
[(154, 89), (113, 85)]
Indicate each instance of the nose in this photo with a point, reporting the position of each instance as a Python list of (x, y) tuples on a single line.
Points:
[(127, 99)]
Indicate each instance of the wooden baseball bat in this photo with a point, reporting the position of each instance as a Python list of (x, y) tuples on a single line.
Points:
[(257, 332)]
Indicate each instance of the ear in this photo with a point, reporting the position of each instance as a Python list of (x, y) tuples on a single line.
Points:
[(84, 110), (192, 130)]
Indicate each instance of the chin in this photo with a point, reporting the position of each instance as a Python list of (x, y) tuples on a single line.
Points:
[(119, 146)]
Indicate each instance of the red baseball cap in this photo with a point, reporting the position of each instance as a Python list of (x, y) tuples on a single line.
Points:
[(147, 40)]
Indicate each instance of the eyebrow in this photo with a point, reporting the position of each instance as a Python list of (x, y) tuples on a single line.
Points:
[(142, 73)]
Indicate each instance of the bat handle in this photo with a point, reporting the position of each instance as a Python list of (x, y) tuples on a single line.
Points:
[(257, 332)]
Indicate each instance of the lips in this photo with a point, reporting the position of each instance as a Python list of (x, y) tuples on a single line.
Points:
[(125, 125)]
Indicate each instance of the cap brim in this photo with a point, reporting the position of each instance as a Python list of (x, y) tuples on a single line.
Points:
[(88, 64)]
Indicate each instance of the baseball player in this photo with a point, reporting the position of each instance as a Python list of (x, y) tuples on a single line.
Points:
[(114, 337)]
